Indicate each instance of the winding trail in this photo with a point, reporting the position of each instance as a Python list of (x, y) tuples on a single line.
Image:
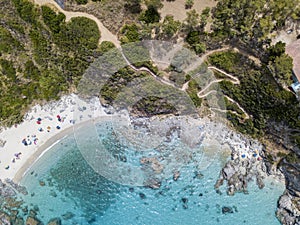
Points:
[(235, 80), (146, 70), (106, 35), (238, 105)]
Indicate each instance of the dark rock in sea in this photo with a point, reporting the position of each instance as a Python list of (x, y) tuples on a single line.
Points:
[(201, 194), (235, 208), (54, 221), (153, 183), (185, 206), (42, 183), (260, 182), (218, 192), (131, 189), (142, 195), (68, 215), (91, 220), (185, 200), (36, 208), (32, 213), (198, 175), (227, 209), (25, 210), (176, 175), (53, 193), (18, 221)]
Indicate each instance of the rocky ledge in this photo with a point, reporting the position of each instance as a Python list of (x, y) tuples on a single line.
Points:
[(288, 211), (239, 172)]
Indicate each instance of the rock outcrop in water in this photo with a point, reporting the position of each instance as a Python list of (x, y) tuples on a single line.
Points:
[(238, 173), (10, 206)]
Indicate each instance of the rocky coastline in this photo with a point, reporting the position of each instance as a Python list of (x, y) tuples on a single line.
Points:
[(236, 174), (288, 211)]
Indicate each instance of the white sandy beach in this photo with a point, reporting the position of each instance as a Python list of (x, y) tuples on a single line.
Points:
[(15, 156)]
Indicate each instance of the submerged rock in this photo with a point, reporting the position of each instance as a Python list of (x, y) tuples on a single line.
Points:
[(68, 215), (54, 221), (32, 221), (227, 209), (142, 195), (18, 188), (176, 175), (4, 219), (153, 183)]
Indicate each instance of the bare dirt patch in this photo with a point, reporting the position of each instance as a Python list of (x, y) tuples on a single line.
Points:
[(177, 8)]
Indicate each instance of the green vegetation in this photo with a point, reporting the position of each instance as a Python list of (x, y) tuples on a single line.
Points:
[(245, 24), (189, 4), (151, 15), (54, 60), (81, 2), (280, 64), (7, 42), (116, 83), (130, 33), (282, 69), (170, 26), (105, 46), (192, 91), (51, 19), (133, 6), (257, 93)]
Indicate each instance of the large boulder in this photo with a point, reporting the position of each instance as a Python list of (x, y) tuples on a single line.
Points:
[(32, 221)]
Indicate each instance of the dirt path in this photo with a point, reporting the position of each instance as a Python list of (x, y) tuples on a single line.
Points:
[(106, 35), (238, 105), (147, 70), (203, 57), (234, 79)]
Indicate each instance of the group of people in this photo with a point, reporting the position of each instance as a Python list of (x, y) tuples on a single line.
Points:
[(33, 139)]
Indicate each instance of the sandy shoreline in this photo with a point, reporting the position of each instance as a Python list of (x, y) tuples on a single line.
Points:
[(41, 150), (41, 135)]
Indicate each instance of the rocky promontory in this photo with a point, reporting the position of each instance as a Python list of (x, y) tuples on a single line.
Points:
[(288, 211)]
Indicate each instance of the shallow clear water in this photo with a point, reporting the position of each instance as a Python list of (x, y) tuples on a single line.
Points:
[(76, 193)]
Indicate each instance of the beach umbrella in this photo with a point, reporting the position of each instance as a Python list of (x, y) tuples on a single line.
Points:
[(58, 127), (58, 116), (39, 119), (38, 122)]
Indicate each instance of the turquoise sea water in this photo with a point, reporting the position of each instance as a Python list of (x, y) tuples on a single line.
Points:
[(70, 189)]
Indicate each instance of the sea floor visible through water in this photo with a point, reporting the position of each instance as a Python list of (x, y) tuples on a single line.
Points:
[(62, 184)]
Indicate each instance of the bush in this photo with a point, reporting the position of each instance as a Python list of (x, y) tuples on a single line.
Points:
[(151, 15), (51, 19)]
